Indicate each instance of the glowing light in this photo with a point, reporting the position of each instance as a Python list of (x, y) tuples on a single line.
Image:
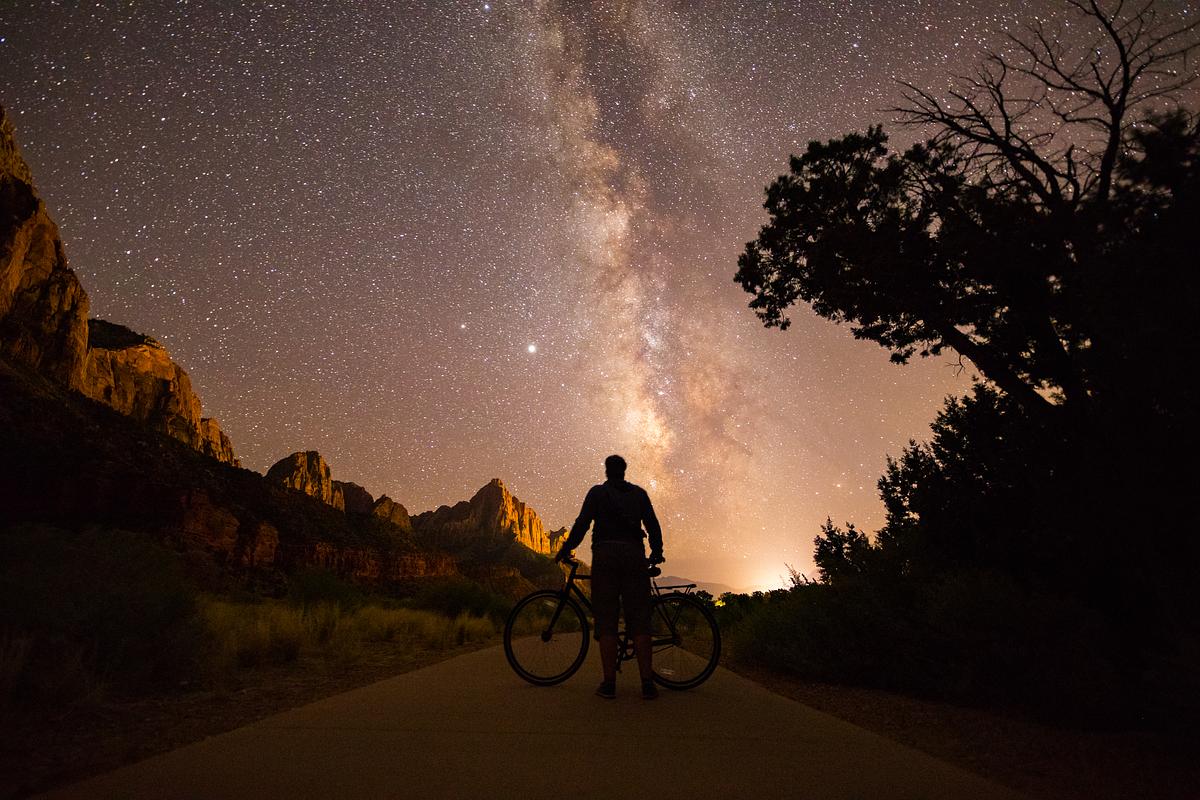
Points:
[(532, 348)]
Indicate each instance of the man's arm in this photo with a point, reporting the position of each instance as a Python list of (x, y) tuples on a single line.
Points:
[(653, 531), (587, 515)]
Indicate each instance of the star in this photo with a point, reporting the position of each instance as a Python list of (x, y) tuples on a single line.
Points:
[(330, 185)]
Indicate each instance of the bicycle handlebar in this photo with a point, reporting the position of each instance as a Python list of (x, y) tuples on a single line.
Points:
[(571, 561)]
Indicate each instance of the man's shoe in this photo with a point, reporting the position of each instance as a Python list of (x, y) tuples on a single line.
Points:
[(607, 690), (649, 690)]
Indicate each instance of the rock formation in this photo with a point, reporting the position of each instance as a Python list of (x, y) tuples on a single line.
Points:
[(80, 462), (43, 307), (493, 515), (355, 499), (557, 538), (215, 443), (305, 472), (387, 508), (44, 324), (135, 375)]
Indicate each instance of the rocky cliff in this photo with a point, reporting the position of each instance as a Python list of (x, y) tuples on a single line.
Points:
[(387, 508), (307, 472), (355, 499), (492, 516), (135, 375), (43, 308), (44, 324), (82, 464)]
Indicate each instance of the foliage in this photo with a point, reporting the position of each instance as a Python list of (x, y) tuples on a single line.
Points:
[(970, 636), (84, 612), (242, 635), (540, 570), (1012, 235), (1034, 548), (455, 596), (81, 611), (310, 587)]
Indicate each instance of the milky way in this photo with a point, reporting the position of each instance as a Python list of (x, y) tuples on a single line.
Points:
[(447, 242)]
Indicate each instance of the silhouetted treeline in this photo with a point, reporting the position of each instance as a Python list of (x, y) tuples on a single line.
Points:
[(1042, 546)]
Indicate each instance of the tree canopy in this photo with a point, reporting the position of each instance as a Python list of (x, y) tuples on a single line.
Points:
[(1011, 236), (1046, 231)]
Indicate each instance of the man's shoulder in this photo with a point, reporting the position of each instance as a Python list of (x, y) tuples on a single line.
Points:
[(638, 490)]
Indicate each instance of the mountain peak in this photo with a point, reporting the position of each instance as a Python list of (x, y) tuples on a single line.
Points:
[(493, 514)]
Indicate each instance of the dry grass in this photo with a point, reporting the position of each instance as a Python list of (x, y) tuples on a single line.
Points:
[(247, 635)]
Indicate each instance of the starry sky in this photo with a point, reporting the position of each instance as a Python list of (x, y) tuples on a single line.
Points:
[(449, 241)]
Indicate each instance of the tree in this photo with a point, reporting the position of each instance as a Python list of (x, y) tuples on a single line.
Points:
[(1046, 232), (1003, 237), (841, 554)]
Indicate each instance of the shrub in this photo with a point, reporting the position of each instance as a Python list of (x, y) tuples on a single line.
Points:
[(249, 635), (243, 635), (313, 587), (453, 597), (80, 610), (970, 636)]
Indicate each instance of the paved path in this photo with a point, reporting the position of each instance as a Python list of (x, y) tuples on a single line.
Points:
[(469, 728)]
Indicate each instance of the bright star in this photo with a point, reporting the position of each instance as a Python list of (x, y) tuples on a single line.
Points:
[(532, 348)]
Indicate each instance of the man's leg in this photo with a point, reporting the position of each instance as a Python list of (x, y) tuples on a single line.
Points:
[(641, 644), (605, 606), (608, 656)]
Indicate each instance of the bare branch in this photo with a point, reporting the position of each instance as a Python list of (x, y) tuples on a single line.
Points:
[(1010, 132)]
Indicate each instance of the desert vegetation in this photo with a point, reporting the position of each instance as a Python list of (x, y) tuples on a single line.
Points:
[(103, 611)]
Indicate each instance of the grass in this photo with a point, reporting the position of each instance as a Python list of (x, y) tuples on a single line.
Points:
[(244, 635)]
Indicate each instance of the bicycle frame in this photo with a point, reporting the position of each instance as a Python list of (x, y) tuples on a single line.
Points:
[(625, 651)]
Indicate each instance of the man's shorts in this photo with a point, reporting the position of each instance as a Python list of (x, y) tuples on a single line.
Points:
[(620, 580)]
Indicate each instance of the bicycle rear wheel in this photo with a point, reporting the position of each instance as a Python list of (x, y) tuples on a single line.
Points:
[(546, 638), (685, 639)]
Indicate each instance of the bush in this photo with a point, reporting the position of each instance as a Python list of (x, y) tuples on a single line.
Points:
[(313, 587), (243, 635), (970, 636), (83, 610), (454, 597), (250, 635)]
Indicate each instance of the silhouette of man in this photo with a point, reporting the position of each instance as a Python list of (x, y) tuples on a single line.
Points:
[(619, 575)]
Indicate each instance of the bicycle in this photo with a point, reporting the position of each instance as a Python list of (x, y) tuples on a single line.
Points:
[(546, 637)]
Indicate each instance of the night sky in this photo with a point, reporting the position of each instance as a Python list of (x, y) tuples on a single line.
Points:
[(452, 241)]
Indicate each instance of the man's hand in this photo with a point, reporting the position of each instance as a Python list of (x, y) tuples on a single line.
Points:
[(656, 558), (563, 555)]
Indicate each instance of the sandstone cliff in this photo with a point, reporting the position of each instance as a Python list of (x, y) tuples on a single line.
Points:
[(355, 499), (387, 508), (307, 472), (135, 375), (81, 463), (44, 324), (492, 517), (43, 307)]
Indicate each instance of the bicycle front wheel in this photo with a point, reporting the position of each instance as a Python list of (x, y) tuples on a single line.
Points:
[(685, 639), (546, 638)]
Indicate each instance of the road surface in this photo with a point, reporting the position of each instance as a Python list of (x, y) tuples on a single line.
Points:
[(468, 727)]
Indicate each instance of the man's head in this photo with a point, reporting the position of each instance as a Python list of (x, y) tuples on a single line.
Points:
[(614, 468)]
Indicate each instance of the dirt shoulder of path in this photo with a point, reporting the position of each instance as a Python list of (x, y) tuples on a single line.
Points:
[(1039, 760), (41, 750)]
